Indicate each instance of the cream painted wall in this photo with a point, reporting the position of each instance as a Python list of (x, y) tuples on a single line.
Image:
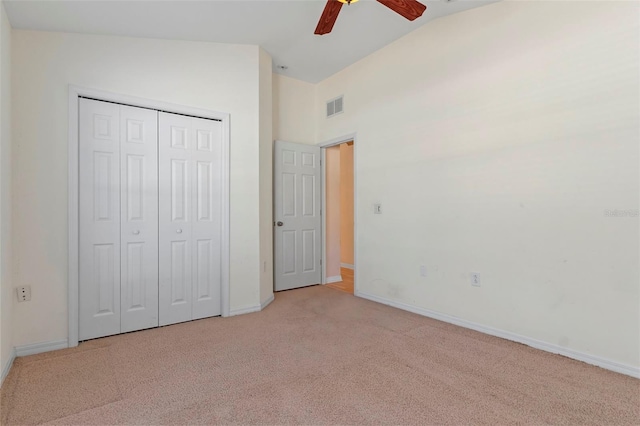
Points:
[(495, 140), (266, 177), (294, 110), (6, 252), (346, 203), (205, 75), (332, 210)]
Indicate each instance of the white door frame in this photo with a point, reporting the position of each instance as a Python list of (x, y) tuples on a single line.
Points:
[(323, 146), (75, 92)]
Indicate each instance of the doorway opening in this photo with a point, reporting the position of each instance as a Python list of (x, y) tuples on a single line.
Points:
[(306, 252), (339, 216)]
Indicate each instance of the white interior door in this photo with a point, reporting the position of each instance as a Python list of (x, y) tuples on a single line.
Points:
[(175, 219), (206, 216), (118, 219), (190, 217), (150, 245), (297, 218), (139, 218), (99, 245)]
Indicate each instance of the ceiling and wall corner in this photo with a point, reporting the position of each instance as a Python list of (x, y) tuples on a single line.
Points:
[(6, 237), (265, 93), (499, 151), (282, 28)]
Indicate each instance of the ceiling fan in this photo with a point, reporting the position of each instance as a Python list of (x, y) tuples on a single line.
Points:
[(410, 9)]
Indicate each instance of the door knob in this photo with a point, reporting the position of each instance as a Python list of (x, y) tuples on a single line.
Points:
[(178, 231), (136, 232), (280, 224)]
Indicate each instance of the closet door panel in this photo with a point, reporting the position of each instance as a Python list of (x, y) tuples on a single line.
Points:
[(175, 182), (139, 218), (206, 214), (99, 208)]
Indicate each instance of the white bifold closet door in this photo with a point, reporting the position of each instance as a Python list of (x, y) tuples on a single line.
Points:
[(150, 218), (190, 164), (138, 218), (118, 191)]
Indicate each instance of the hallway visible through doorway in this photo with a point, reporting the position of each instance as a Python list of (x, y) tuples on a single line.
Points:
[(339, 189), (346, 284)]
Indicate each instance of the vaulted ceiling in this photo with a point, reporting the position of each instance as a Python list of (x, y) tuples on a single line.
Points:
[(284, 28)]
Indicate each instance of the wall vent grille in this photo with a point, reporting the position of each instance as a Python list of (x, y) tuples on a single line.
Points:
[(335, 106)]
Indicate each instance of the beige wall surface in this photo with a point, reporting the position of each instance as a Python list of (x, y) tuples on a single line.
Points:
[(217, 77), (294, 110), (495, 140), (6, 251)]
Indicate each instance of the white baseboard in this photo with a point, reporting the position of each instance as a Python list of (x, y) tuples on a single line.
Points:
[(608, 364), (32, 349), (37, 348), (336, 279), (245, 310), (251, 309), (7, 366), (347, 266), (267, 302)]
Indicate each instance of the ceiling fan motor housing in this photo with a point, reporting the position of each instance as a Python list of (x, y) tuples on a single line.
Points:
[(410, 9)]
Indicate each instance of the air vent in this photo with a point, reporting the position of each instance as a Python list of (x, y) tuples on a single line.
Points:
[(335, 106)]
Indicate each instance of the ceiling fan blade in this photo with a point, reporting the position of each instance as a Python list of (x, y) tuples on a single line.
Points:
[(329, 16), (410, 9)]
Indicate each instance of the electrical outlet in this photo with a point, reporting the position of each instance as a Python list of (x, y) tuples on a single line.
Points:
[(24, 293), (423, 271), (475, 279)]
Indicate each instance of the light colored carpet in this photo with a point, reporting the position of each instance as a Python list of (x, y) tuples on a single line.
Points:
[(314, 356)]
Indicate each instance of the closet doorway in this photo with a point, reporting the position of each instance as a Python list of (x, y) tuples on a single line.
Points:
[(148, 214)]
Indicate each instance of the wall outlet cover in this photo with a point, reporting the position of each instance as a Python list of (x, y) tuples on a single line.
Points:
[(23, 293), (475, 279)]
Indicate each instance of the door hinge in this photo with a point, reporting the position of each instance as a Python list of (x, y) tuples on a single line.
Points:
[(320, 262)]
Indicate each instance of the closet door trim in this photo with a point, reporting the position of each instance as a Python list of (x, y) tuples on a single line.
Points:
[(77, 92)]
